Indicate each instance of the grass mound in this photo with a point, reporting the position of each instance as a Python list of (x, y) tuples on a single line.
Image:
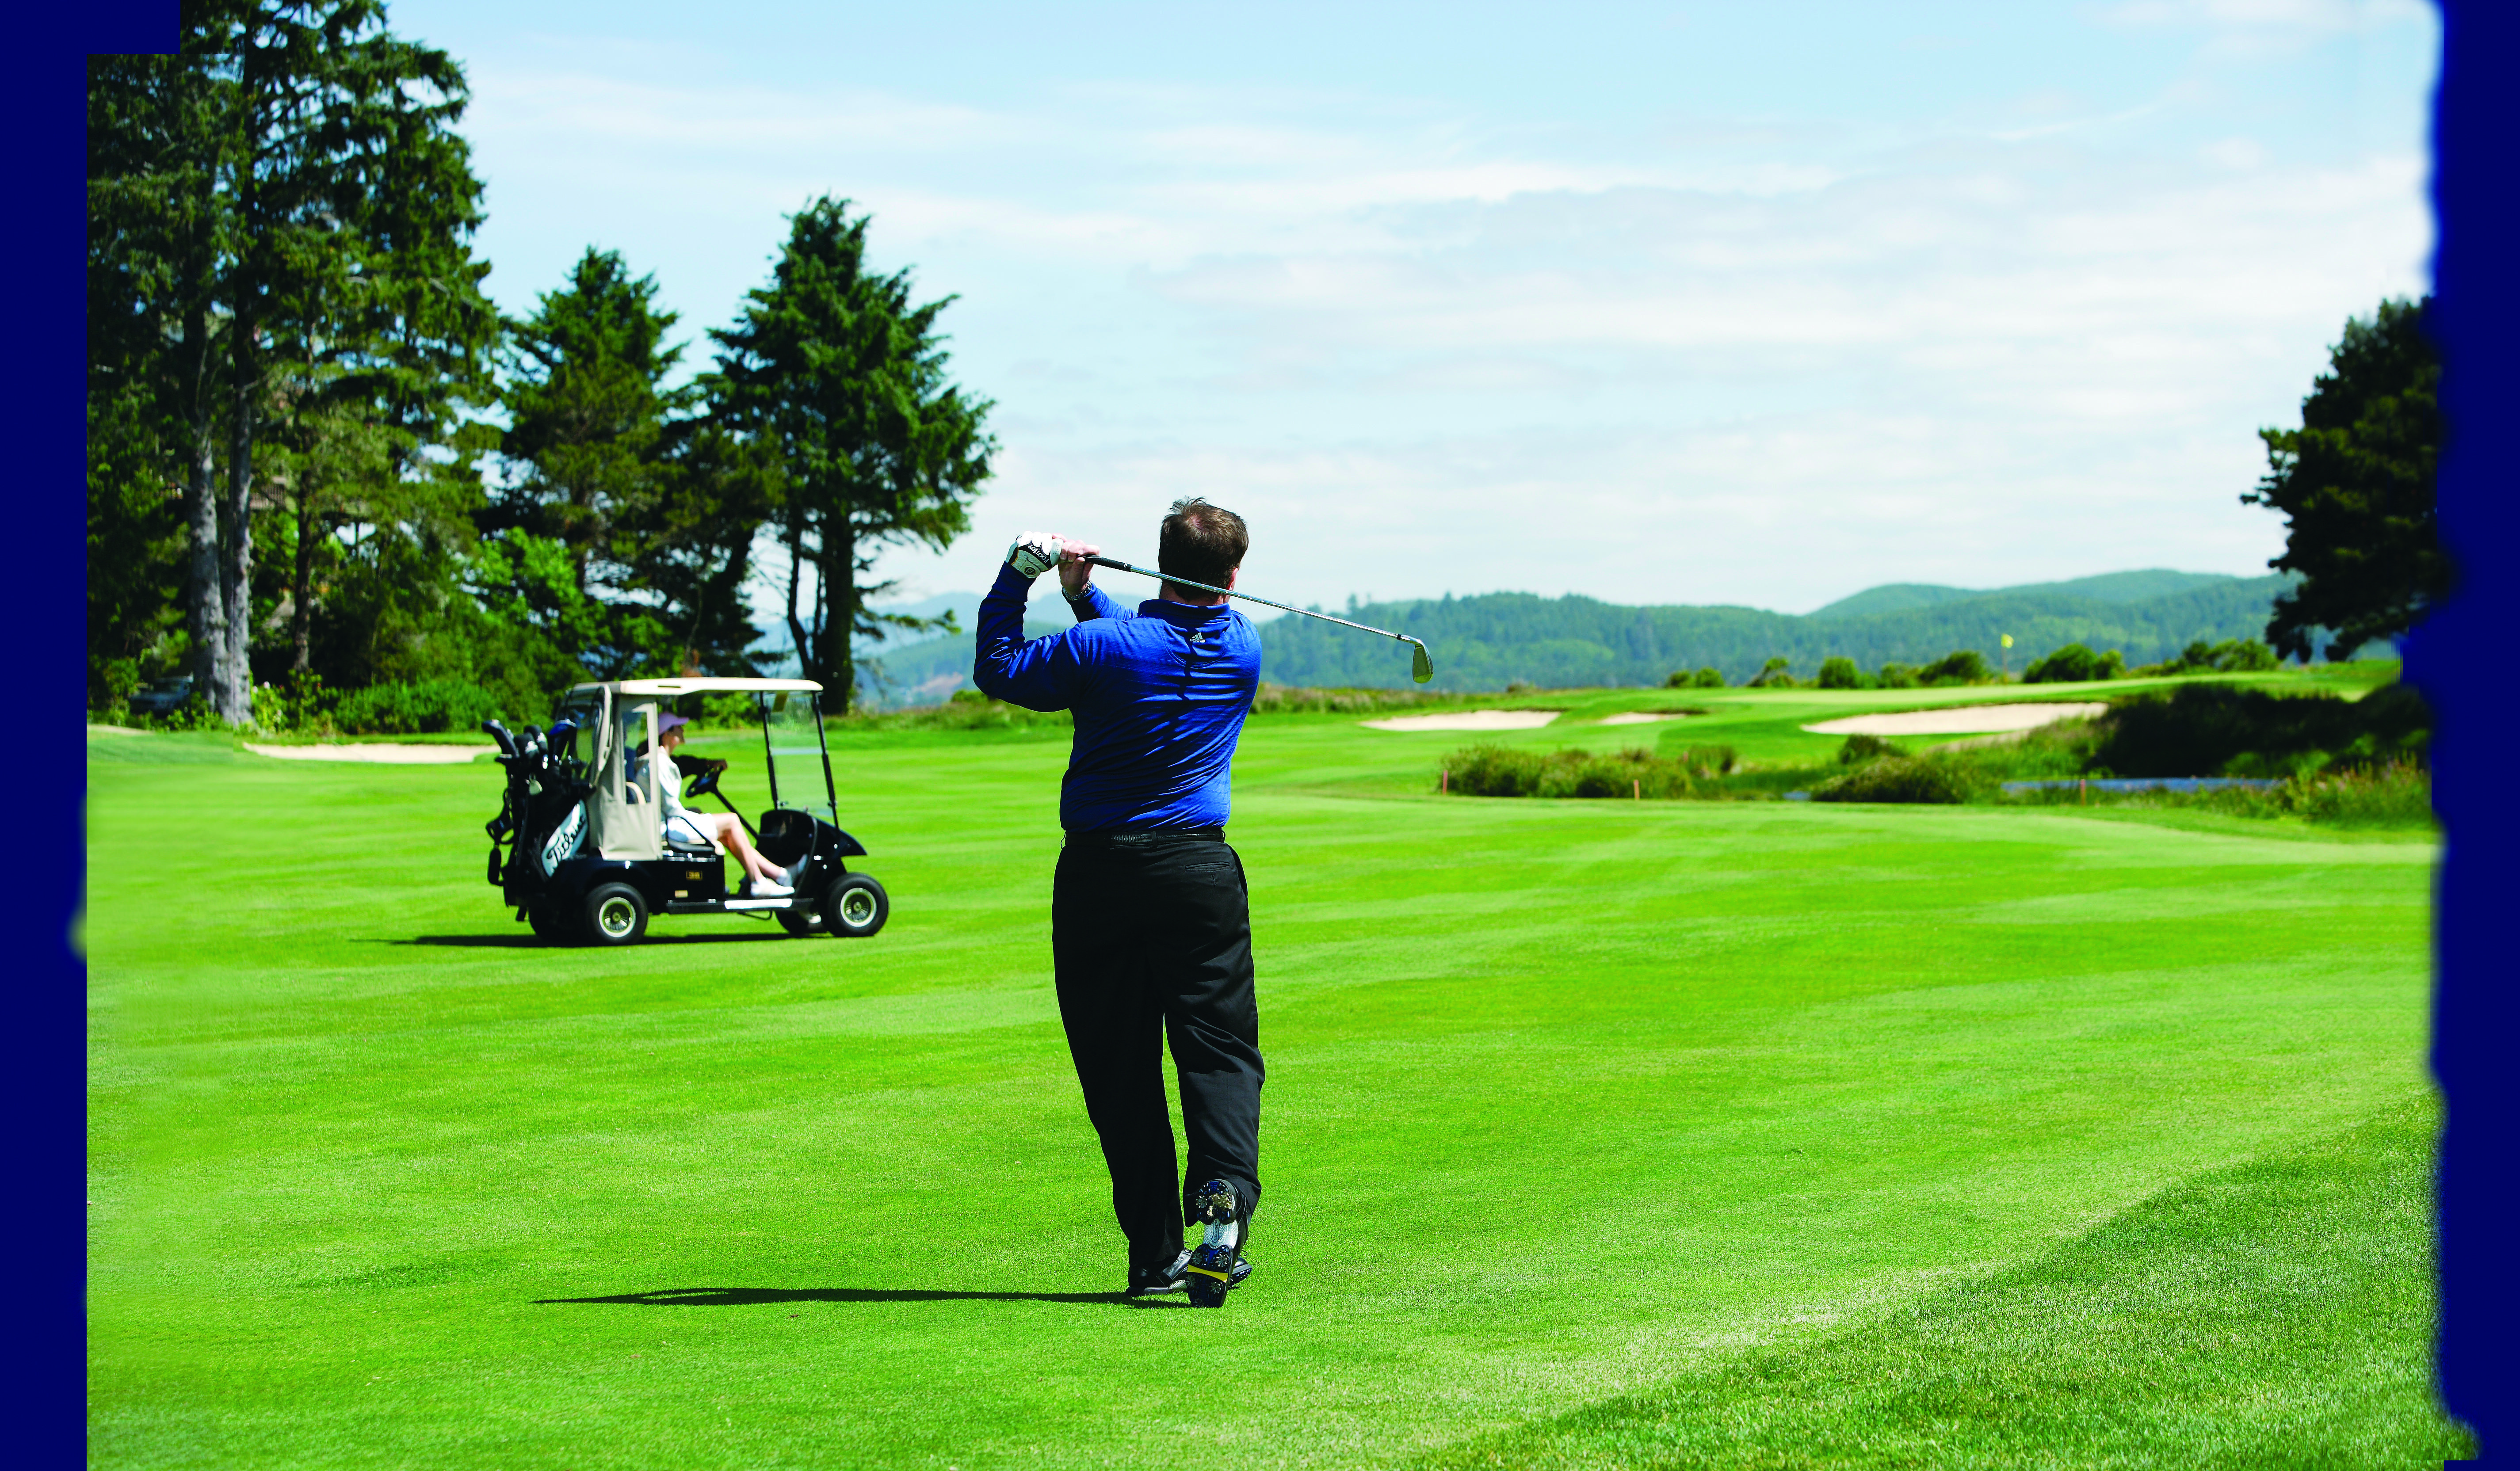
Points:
[(2271, 1314)]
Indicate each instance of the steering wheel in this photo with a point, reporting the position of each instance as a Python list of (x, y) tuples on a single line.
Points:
[(700, 776)]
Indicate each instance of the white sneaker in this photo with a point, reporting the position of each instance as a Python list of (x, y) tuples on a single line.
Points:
[(763, 888)]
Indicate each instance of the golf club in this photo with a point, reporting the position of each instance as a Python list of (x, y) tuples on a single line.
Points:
[(1421, 668)]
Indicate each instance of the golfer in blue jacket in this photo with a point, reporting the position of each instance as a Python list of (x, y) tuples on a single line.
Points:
[(1150, 921)]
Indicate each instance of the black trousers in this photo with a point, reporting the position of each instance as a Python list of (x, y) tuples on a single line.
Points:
[(1151, 936)]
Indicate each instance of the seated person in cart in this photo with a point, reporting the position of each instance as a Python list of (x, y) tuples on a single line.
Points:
[(722, 831)]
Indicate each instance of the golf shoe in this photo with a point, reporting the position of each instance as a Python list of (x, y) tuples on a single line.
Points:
[(1216, 1264)]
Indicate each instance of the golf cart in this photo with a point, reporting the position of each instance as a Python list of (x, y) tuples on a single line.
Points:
[(579, 847)]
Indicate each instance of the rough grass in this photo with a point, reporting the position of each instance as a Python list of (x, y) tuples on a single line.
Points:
[(2276, 1314), (2398, 796)]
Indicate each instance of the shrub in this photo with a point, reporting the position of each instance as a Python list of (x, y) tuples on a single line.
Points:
[(2075, 664), (1895, 779), (2244, 656), (1965, 666), (2208, 729), (1840, 672), (2231, 656), (1862, 748), (422, 708), (1494, 770), (1772, 674), (2399, 794), (1896, 677), (1708, 678), (1487, 770), (1705, 761)]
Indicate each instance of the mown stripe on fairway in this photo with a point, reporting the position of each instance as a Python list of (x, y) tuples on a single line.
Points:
[(2271, 1313)]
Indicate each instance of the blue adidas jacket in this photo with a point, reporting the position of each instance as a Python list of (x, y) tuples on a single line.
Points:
[(1159, 697)]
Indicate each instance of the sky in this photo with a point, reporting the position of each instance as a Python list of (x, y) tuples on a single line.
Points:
[(1702, 303)]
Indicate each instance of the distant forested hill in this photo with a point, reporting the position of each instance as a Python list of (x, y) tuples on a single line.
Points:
[(1486, 642), (927, 670), (1483, 642), (2108, 587)]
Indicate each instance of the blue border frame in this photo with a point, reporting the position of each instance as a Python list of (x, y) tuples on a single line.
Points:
[(46, 1083), (2456, 657), (2477, 318)]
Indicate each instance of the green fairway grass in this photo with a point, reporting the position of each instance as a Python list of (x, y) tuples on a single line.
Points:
[(1582, 1117)]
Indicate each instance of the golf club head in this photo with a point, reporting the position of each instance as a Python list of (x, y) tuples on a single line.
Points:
[(1421, 666)]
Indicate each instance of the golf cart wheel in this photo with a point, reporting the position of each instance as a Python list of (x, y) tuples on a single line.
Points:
[(856, 907), (549, 924), (615, 914), (802, 922)]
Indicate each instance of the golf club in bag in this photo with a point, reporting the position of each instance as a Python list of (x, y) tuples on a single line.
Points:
[(1421, 668)]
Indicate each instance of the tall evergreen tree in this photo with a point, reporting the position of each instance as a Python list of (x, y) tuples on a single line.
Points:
[(692, 547), (843, 380), (2356, 483), (589, 466), (280, 215), (588, 407)]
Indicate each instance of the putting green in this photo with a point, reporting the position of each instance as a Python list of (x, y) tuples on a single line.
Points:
[(1567, 1102)]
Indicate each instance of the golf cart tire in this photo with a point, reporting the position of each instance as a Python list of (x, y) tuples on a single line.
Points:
[(550, 924), (614, 914), (856, 907), (802, 923)]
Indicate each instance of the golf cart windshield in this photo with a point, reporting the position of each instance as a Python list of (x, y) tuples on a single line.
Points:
[(799, 763), (584, 707)]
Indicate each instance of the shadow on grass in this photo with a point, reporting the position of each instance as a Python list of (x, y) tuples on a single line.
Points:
[(526, 941), (741, 1297)]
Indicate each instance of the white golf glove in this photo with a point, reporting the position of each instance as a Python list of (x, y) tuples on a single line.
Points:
[(1034, 552)]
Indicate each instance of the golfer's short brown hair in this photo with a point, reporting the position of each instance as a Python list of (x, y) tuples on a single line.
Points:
[(1200, 542)]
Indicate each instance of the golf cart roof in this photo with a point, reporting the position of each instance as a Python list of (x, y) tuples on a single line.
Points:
[(703, 685)]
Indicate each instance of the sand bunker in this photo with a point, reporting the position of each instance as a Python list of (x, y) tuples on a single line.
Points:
[(1467, 720), (1955, 720), (1642, 717), (382, 751)]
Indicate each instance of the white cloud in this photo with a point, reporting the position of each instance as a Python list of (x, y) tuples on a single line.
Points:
[(2317, 15), (1754, 360)]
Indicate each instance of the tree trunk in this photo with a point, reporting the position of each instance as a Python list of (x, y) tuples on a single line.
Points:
[(301, 581), (204, 599), (795, 563), (204, 602), (840, 608), (235, 699)]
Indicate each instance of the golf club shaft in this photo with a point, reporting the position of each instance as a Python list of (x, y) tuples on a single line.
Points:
[(1105, 561)]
